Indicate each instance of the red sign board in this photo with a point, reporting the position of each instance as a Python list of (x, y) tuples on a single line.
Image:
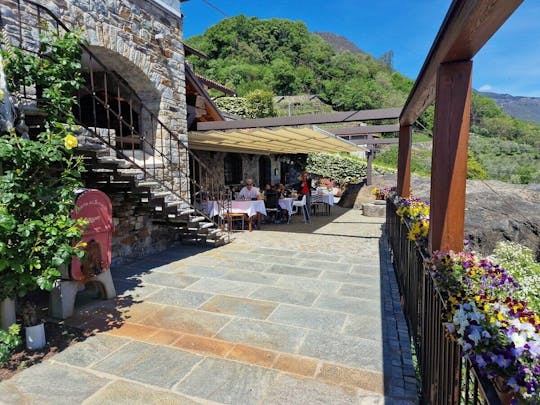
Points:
[(96, 207)]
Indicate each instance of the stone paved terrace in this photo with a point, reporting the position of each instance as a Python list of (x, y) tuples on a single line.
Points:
[(290, 314)]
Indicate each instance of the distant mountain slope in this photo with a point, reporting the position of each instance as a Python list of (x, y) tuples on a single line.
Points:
[(525, 108), (339, 42)]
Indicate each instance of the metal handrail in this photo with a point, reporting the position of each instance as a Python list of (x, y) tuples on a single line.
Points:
[(163, 164), (446, 378)]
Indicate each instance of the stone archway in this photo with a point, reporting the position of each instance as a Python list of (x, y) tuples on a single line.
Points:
[(132, 98)]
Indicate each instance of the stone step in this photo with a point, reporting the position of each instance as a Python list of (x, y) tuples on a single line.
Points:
[(187, 211), (196, 219)]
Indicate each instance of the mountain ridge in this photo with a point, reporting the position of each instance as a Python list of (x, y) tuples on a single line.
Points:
[(521, 107)]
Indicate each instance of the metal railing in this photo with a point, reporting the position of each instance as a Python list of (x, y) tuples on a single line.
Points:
[(446, 378), (114, 113)]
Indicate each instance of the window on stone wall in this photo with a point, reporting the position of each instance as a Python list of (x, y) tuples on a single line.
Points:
[(233, 168)]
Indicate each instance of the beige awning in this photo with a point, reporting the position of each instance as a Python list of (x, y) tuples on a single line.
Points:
[(285, 139)]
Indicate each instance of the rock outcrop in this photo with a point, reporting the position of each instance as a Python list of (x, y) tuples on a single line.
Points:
[(495, 211)]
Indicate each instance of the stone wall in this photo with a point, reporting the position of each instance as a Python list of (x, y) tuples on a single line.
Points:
[(250, 167), (135, 235), (141, 41)]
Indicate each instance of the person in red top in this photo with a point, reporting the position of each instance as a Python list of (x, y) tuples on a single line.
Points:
[(305, 188)]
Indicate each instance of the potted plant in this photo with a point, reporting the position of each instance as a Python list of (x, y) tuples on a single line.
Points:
[(33, 326)]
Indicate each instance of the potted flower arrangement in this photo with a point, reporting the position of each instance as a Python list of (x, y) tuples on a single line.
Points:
[(500, 334)]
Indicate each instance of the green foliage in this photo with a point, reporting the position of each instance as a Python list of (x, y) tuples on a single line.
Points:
[(9, 341), (284, 57), (256, 104), (57, 74), (520, 263), (342, 168), (281, 56), (474, 169), (38, 177), (507, 160)]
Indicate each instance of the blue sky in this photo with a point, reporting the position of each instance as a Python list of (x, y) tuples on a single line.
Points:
[(509, 63)]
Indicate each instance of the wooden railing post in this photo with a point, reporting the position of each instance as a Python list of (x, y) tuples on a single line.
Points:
[(404, 161), (449, 160)]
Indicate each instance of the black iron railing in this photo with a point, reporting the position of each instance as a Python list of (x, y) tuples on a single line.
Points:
[(114, 113), (446, 378)]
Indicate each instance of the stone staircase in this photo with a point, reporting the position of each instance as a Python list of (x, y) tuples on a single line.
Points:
[(113, 175)]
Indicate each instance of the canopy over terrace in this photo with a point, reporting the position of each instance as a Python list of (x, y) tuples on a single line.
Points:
[(297, 134)]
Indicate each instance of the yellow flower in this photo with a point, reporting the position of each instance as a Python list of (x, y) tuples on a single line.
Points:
[(70, 142), (500, 316), (1, 94)]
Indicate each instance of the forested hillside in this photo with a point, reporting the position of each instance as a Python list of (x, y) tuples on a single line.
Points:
[(282, 57)]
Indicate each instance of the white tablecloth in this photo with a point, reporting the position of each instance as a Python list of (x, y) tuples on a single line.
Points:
[(325, 198), (247, 207), (286, 204)]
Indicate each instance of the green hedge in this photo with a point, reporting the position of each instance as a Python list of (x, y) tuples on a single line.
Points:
[(340, 167)]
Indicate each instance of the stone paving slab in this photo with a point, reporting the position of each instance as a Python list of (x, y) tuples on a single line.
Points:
[(309, 318), (354, 306), (243, 307), (92, 350), (360, 291), (287, 390), (122, 392), (267, 335), (185, 328), (180, 298), (227, 382), (48, 383), (307, 284), (294, 271), (187, 320), (201, 271), (151, 364), (169, 280), (351, 278), (324, 265), (223, 287), (251, 277), (285, 295), (342, 349)]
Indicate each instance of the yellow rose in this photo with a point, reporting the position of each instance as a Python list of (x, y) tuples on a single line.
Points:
[(70, 142)]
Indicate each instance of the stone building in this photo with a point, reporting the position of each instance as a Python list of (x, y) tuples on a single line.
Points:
[(136, 64)]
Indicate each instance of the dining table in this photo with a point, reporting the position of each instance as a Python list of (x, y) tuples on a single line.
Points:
[(252, 208), (327, 199)]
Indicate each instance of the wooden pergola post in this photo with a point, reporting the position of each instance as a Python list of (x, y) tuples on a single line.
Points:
[(404, 161), (449, 160)]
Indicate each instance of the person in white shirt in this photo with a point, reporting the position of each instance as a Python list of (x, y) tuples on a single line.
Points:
[(249, 191)]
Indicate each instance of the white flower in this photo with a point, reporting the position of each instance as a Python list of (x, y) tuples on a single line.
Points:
[(518, 339)]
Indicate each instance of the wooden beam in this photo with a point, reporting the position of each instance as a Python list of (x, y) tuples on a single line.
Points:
[(449, 160), (312, 119), (404, 161), (468, 25), (380, 141), (363, 130)]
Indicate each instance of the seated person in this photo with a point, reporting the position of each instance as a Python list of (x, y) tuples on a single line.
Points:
[(249, 191), (283, 192)]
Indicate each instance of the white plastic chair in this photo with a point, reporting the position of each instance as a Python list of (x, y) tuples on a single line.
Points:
[(305, 210)]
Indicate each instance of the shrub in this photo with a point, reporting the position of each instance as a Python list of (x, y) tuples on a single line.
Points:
[(342, 168), (9, 341)]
